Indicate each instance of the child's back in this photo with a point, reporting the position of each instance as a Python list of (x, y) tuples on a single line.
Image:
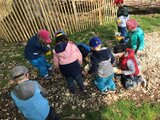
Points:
[(68, 59), (101, 64), (102, 58)]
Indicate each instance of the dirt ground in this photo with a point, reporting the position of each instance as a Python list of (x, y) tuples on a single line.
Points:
[(60, 98)]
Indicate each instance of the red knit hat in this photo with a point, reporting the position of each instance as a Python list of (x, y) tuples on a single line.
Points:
[(44, 34), (118, 1), (131, 24)]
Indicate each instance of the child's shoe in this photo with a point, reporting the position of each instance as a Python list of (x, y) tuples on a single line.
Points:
[(144, 83), (105, 92), (47, 77), (51, 71)]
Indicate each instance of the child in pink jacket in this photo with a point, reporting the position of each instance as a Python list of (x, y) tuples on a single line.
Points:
[(67, 58)]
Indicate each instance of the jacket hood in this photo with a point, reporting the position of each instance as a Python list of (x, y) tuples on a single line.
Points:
[(60, 47), (65, 49), (101, 54), (24, 90)]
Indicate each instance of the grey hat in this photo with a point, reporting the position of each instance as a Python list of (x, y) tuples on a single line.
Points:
[(18, 71)]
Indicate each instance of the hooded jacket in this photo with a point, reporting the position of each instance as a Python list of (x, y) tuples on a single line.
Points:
[(67, 58), (136, 39), (29, 98)]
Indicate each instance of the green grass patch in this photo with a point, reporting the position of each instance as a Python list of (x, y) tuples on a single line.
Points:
[(120, 110), (127, 110), (149, 23)]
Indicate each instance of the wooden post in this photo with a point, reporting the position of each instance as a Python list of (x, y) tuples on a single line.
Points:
[(100, 12), (32, 16)]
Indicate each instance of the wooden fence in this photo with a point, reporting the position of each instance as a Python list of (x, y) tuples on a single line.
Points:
[(20, 19)]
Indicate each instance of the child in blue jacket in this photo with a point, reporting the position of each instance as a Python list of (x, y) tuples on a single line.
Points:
[(29, 96)]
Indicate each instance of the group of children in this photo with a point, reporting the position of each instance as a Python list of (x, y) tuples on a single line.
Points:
[(105, 65)]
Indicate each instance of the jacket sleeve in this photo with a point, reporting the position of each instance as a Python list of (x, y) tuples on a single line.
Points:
[(44, 48), (94, 66), (40, 46), (131, 68), (55, 61), (141, 41), (78, 55), (43, 93), (112, 57), (134, 44)]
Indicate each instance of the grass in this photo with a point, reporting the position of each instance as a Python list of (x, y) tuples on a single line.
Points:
[(105, 32), (149, 23), (127, 110), (121, 110)]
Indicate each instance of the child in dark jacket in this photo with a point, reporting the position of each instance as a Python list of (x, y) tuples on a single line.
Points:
[(101, 64), (122, 17), (67, 58), (128, 67), (34, 52)]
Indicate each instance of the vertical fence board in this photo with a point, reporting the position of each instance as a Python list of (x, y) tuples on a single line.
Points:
[(29, 16), (7, 27)]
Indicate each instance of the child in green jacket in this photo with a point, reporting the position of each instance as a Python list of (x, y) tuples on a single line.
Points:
[(136, 36)]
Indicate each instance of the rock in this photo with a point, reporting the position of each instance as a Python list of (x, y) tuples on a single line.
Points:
[(83, 105), (73, 107), (85, 83), (67, 94), (83, 115), (93, 94)]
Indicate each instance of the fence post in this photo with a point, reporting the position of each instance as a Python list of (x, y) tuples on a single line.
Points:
[(75, 10), (100, 12)]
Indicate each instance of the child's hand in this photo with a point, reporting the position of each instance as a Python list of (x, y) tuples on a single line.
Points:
[(139, 52), (117, 71)]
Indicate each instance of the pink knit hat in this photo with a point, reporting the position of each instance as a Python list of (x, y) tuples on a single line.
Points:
[(131, 24), (44, 34)]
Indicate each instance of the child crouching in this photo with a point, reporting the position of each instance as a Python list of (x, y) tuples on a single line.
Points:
[(101, 61), (129, 70)]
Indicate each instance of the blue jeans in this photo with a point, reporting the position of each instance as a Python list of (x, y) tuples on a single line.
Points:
[(70, 83), (104, 84), (123, 31), (41, 64)]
